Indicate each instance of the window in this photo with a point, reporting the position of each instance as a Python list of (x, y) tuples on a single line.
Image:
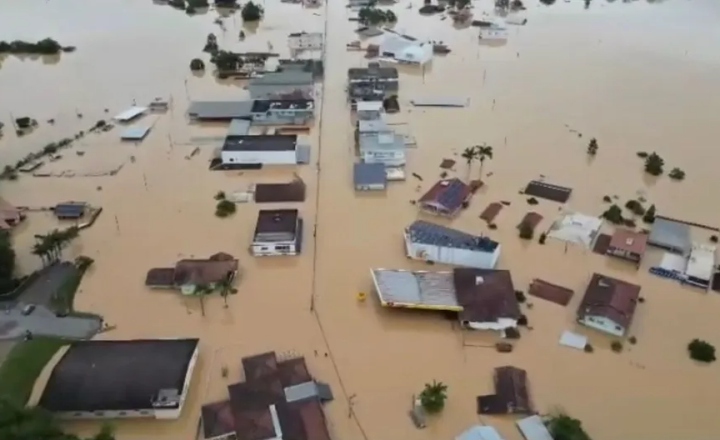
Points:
[(282, 248), (264, 248), (144, 412), (618, 328)]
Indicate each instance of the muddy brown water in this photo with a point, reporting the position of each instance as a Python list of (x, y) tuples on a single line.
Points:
[(636, 76)]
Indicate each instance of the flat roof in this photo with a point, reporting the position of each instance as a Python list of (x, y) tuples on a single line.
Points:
[(276, 223), (264, 105), (701, 263), (264, 142), (134, 133), (117, 375), (672, 235), (369, 174), (415, 289), (220, 109)]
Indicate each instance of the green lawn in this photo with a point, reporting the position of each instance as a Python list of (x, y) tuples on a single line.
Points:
[(64, 298), (23, 365)]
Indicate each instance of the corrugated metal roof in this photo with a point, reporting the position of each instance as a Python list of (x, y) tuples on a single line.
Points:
[(239, 127), (369, 174), (423, 232), (290, 77), (670, 234), (420, 288), (220, 109), (382, 141), (301, 391), (135, 133), (533, 428)]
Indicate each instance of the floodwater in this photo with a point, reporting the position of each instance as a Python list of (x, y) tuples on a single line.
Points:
[(636, 76)]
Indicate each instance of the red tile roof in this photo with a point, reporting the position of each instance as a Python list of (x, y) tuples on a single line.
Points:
[(611, 298), (629, 241), (485, 295)]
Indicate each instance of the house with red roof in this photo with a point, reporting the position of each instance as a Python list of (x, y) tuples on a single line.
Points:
[(608, 305)]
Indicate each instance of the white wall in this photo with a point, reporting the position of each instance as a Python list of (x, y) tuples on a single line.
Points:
[(499, 325), (458, 257), (288, 157), (603, 324), (392, 158), (266, 249), (312, 40)]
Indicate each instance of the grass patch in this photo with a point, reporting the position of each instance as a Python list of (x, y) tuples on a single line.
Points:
[(23, 365), (63, 299)]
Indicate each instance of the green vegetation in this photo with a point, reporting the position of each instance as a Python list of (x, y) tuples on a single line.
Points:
[(635, 207), (649, 216), (641, 154), (20, 423), (616, 346), (654, 164), (701, 351), (433, 397), (211, 44), (592, 148), (564, 427), (226, 61), (220, 195), (252, 12), (469, 154), (63, 301), (526, 231), (614, 215), (177, 4), (588, 348), (677, 174), (8, 282), (632, 340), (197, 65), (607, 199), (49, 247), (372, 16), (48, 46), (542, 238), (225, 208), (483, 152), (22, 367)]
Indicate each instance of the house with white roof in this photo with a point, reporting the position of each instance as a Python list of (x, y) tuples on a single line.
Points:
[(405, 49), (701, 265)]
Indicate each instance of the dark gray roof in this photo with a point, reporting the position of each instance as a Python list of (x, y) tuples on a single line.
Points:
[(220, 109), (369, 174), (239, 127), (372, 71), (285, 78), (669, 234), (423, 232), (117, 375)]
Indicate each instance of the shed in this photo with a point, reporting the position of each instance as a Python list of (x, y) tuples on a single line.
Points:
[(369, 177), (70, 210), (130, 114), (134, 133), (219, 110), (670, 235), (533, 428), (312, 389)]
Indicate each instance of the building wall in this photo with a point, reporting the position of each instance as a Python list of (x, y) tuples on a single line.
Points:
[(283, 117), (372, 187), (265, 249), (499, 325), (603, 324), (390, 158), (623, 254), (265, 157), (308, 41), (369, 115), (447, 255)]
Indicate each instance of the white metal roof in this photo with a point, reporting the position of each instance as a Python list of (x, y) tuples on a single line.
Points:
[(369, 106), (480, 432), (420, 289), (131, 113), (701, 263), (576, 228), (533, 428)]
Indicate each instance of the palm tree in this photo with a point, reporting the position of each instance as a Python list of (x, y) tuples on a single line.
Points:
[(483, 152), (470, 155), (200, 291), (433, 397)]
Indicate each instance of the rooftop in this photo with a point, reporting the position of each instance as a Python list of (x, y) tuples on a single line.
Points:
[(372, 71), (485, 295), (629, 241), (264, 142), (372, 125), (511, 393), (670, 234), (369, 174), (423, 232), (415, 289), (239, 127), (369, 106), (384, 140), (701, 263), (450, 194), (285, 78), (70, 209), (220, 109), (276, 225), (217, 419), (117, 375), (611, 298), (205, 271), (264, 105), (280, 192)]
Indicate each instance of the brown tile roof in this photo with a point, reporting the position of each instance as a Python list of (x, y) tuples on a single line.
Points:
[(448, 193), (259, 366), (293, 372), (312, 418), (611, 298), (217, 419), (511, 393), (160, 276), (280, 192), (196, 271), (491, 212), (532, 219), (629, 241), (550, 292), (602, 242), (491, 299)]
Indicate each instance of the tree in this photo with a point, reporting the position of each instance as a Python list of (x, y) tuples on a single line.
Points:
[(564, 427), (433, 397), (677, 174), (701, 351), (649, 216), (225, 60), (197, 64), (654, 164), (201, 291), (390, 17), (7, 263), (252, 12), (470, 155), (211, 44), (372, 16), (49, 247), (484, 151), (592, 147), (225, 286), (526, 231), (613, 214), (225, 208), (635, 207)]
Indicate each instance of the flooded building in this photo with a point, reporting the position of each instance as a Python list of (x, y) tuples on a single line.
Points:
[(305, 41), (446, 197), (220, 110), (369, 177), (314, 66), (279, 85), (372, 83), (144, 378), (277, 232), (260, 149), (369, 110), (628, 245), (511, 393), (431, 242), (608, 305), (386, 147), (701, 265), (189, 274), (405, 50), (487, 298), (283, 111)]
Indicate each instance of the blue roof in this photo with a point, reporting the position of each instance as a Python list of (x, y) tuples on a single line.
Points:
[(70, 209), (369, 174), (423, 232)]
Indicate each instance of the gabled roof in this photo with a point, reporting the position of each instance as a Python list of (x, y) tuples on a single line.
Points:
[(629, 241), (485, 295), (423, 232), (448, 193), (197, 271), (610, 298), (511, 393)]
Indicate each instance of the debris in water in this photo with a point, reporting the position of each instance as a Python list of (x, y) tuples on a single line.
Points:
[(532, 201), (417, 176)]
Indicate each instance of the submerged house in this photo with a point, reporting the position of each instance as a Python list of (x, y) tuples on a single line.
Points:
[(277, 232), (431, 242), (372, 83), (281, 85), (369, 110), (259, 149), (628, 245), (305, 41), (447, 197), (701, 265), (10, 216), (670, 235), (384, 146), (511, 393), (608, 305), (405, 50), (369, 177), (279, 399), (189, 274), (70, 210), (282, 111)]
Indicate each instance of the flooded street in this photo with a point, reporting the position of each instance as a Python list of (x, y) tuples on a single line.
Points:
[(639, 76)]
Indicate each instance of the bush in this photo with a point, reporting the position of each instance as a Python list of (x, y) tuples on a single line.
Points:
[(616, 346), (654, 164), (526, 231), (252, 12), (613, 214), (542, 238), (632, 340), (220, 195), (177, 4), (433, 396), (588, 348), (649, 216), (564, 427), (635, 207), (607, 199), (225, 208), (642, 154), (701, 351), (520, 296), (677, 174), (197, 65), (48, 46)]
